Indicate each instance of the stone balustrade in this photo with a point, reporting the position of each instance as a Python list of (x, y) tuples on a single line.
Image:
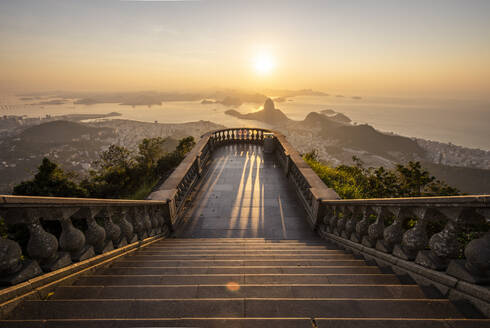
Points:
[(448, 234), (53, 232), (308, 186), (235, 135)]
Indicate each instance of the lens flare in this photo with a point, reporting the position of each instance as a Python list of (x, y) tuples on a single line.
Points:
[(233, 286)]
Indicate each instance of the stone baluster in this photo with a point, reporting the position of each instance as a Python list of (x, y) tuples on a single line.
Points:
[(10, 257), (72, 240), (155, 224), (43, 246), (415, 239), (161, 219), (350, 224), (322, 225), (345, 214), (147, 221), (117, 215), (127, 229), (325, 221), (375, 230), (443, 245), (361, 226), (137, 219), (476, 268), (155, 221), (332, 219), (13, 269), (393, 234), (95, 234), (112, 231), (165, 221)]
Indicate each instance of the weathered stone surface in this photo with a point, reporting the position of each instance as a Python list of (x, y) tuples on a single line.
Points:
[(10, 257), (28, 269)]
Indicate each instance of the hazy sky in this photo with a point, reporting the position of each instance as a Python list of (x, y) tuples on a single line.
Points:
[(429, 48)]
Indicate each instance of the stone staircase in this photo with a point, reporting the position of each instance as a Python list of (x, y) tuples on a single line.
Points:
[(232, 282)]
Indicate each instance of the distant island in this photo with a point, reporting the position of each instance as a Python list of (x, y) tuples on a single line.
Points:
[(269, 114), (229, 97)]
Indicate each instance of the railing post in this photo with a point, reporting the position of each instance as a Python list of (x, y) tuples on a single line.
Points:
[(199, 165), (476, 268), (13, 269), (287, 165)]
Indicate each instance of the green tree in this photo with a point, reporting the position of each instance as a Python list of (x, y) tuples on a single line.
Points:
[(413, 179), (113, 175), (50, 180), (171, 160), (115, 156), (185, 145), (150, 150)]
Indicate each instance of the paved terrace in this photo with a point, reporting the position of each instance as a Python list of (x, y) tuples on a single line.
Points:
[(245, 194)]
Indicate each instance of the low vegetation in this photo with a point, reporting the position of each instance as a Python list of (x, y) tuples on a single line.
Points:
[(357, 181), (119, 173)]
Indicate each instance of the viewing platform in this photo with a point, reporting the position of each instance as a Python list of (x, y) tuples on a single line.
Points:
[(244, 234), (245, 194)]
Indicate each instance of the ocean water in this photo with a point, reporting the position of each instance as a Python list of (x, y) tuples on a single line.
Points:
[(461, 122)]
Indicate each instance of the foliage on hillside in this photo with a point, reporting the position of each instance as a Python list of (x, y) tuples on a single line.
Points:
[(356, 181), (120, 173), (50, 180)]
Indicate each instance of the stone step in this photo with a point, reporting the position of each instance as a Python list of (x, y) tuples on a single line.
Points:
[(250, 323), (224, 308), (128, 261), (242, 247), (314, 239), (239, 270), (302, 253), (242, 291), (213, 279), (222, 256), (242, 240), (240, 250)]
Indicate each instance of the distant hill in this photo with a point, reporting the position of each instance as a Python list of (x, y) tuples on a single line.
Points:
[(59, 132), (365, 137), (319, 121), (339, 117)]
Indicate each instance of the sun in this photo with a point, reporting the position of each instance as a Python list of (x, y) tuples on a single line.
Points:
[(264, 63)]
